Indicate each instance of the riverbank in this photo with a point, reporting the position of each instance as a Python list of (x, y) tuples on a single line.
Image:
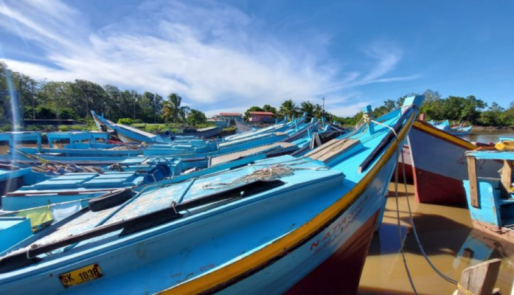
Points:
[(447, 236), (492, 128)]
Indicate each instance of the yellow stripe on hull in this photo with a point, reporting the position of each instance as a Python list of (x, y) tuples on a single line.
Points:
[(225, 274)]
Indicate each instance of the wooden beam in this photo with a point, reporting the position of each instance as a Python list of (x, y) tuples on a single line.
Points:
[(480, 279), (473, 182), (506, 178)]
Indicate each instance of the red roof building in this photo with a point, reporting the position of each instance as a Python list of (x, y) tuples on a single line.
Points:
[(260, 116), (230, 117)]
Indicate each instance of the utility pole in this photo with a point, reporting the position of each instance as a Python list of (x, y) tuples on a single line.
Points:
[(56, 106), (134, 98), (33, 102), (323, 105)]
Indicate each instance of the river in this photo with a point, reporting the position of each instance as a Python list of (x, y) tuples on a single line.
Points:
[(446, 235)]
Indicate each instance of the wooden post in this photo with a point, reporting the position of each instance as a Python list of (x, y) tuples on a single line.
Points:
[(473, 182), (506, 177), (480, 279)]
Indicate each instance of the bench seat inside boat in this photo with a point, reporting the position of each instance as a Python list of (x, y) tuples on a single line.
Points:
[(300, 172), (333, 149), (261, 149)]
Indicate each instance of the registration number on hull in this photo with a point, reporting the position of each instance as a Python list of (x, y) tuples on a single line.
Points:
[(81, 275)]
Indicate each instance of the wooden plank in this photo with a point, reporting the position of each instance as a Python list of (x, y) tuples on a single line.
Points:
[(332, 149), (323, 148), (473, 182), (249, 152), (480, 279), (506, 178)]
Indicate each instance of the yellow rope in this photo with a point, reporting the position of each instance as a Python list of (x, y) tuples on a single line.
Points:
[(464, 290)]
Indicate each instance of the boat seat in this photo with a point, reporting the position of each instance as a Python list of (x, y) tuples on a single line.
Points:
[(331, 149)]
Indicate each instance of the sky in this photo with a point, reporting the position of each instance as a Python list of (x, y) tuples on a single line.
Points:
[(230, 55)]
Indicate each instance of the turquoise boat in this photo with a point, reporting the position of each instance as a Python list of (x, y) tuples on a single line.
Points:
[(14, 177), (455, 130), (267, 227), (16, 226), (92, 153), (80, 186), (130, 134), (491, 200)]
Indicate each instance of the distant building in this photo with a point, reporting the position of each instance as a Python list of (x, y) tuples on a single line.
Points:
[(262, 117), (230, 117)]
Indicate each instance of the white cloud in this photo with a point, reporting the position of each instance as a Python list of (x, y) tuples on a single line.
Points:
[(214, 55)]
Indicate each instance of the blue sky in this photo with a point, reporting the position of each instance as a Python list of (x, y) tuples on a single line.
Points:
[(230, 55)]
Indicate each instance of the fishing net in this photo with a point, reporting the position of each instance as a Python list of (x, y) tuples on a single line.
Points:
[(264, 174)]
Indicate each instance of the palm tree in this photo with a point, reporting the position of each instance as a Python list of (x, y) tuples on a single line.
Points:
[(307, 107), (288, 108), (172, 110), (268, 108), (318, 111)]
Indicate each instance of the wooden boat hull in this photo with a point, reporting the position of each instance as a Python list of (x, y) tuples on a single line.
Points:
[(349, 233), (297, 271), (267, 227), (439, 165)]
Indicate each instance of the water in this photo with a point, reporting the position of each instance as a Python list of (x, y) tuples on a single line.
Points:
[(445, 233), (488, 136)]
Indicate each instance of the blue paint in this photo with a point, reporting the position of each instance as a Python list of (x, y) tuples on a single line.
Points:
[(209, 237), (13, 230)]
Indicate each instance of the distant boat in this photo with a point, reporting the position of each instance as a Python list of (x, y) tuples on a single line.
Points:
[(490, 200), (439, 164), (265, 228), (130, 134), (13, 177), (455, 130), (243, 126)]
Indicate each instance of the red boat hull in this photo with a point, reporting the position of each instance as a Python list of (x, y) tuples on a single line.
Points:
[(341, 272), (440, 165)]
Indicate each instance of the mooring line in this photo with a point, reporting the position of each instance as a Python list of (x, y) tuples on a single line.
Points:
[(442, 275), (398, 221)]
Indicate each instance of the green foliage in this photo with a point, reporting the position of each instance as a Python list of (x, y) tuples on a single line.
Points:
[(66, 113), (308, 108), (125, 121), (195, 117), (44, 112), (288, 108), (268, 108), (172, 109)]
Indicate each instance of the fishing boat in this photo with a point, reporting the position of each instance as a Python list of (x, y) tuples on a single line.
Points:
[(268, 227), (16, 226), (92, 153), (79, 186), (490, 199), (243, 126), (455, 130), (439, 164), (130, 134), (13, 177)]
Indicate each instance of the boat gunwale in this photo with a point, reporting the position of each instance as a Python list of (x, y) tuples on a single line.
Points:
[(344, 203), (443, 135), (89, 251)]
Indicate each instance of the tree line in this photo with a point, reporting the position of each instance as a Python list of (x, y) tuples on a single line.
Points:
[(74, 100), (31, 99), (467, 109)]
